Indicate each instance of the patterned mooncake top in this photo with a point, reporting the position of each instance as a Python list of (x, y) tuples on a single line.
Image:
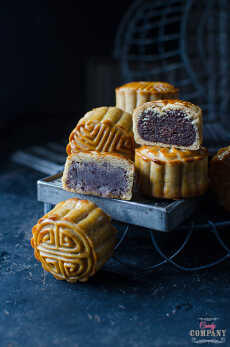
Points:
[(166, 154), (104, 129), (111, 115), (151, 87), (61, 239), (222, 154)]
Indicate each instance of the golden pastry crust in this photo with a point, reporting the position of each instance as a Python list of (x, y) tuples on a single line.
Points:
[(73, 240), (104, 169), (104, 129), (171, 173), (219, 176), (133, 94), (168, 110)]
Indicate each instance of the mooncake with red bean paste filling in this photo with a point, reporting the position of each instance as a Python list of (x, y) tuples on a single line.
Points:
[(108, 175), (168, 123)]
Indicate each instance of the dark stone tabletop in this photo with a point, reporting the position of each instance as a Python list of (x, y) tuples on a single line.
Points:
[(117, 307)]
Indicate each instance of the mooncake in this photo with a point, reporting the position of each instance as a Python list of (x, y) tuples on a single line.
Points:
[(73, 240), (134, 94), (168, 123), (219, 176), (103, 129), (171, 173), (107, 175)]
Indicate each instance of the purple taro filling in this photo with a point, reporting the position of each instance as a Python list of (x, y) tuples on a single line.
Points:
[(172, 128), (102, 179)]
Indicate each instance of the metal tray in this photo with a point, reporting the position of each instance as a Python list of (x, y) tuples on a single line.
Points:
[(162, 215)]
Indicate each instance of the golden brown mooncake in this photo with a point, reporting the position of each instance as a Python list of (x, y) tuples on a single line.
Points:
[(108, 175), (168, 123), (171, 173), (73, 240), (220, 176), (104, 129), (134, 94)]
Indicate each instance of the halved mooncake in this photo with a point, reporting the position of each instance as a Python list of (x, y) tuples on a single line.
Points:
[(171, 173), (107, 175), (103, 129), (133, 94), (168, 123), (219, 175), (73, 240)]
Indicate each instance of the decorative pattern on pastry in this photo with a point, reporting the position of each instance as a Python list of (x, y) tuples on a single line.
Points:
[(101, 174), (104, 129), (220, 176), (168, 123), (134, 94), (171, 173), (73, 240)]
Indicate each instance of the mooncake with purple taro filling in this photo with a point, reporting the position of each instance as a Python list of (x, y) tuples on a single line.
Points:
[(73, 240), (107, 175), (168, 123), (134, 94), (220, 177), (171, 173), (103, 129)]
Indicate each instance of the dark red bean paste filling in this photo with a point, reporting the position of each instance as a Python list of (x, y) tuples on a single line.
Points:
[(172, 128), (102, 179)]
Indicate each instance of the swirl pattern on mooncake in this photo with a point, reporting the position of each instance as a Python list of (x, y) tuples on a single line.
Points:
[(104, 129), (73, 240)]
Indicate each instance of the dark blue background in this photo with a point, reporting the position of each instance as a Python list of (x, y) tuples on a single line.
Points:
[(44, 50)]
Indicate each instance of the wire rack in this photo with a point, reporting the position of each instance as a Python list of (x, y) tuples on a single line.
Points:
[(185, 43), (189, 229), (165, 259), (50, 160)]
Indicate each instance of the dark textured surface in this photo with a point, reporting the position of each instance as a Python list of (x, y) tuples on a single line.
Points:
[(171, 128), (115, 307)]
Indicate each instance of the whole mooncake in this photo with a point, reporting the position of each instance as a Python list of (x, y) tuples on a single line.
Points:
[(134, 94), (219, 175), (107, 175), (171, 173), (73, 240), (168, 123), (104, 129)]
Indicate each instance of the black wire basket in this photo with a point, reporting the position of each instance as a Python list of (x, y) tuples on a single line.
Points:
[(185, 43)]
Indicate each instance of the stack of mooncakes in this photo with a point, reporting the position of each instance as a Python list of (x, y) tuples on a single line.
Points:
[(100, 155), (101, 147), (171, 163)]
